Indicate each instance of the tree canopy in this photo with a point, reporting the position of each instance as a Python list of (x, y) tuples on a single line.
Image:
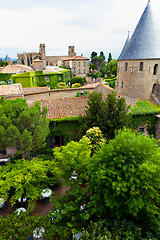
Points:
[(23, 127), (125, 177), (108, 114), (112, 67), (27, 178)]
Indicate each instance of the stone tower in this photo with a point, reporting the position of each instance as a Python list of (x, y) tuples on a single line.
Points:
[(71, 51), (42, 51), (139, 61)]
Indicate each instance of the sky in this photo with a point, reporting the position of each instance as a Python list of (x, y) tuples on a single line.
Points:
[(89, 25)]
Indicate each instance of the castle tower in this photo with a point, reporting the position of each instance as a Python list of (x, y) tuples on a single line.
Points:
[(71, 51), (42, 51), (139, 61)]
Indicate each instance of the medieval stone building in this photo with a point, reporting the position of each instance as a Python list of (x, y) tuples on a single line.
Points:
[(139, 61), (40, 59)]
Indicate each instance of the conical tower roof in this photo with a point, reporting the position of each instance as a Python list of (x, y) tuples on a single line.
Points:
[(125, 47), (145, 41)]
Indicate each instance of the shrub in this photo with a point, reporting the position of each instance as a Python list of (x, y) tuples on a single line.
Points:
[(80, 80), (76, 85), (62, 85)]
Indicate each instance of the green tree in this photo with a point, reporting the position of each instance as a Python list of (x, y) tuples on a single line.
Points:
[(109, 57), (27, 178), (96, 139), (72, 211), (23, 127), (98, 61), (125, 179), (3, 63), (80, 80), (104, 69), (112, 67), (93, 55), (102, 55), (109, 114), (74, 157)]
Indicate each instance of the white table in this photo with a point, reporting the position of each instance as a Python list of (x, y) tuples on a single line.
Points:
[(74, 176), (77, 235), (82, 207), (38, 233), (20, 210), (23, 200), (2, 202), (46, 193)]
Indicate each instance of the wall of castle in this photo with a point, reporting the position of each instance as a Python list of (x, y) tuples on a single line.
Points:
[(54, 60), (136, 78), (61, 93)]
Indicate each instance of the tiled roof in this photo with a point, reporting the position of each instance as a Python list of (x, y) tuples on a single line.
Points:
[(11, 90), (31, 90), (17, 68), (64, 107), (76, 58)]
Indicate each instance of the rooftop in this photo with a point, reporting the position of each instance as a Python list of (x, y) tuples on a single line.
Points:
[(11, 90), (74, 58), (16, 68), (64, 107), (145, 41)]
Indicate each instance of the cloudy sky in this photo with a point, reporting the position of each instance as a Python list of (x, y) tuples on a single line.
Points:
[(89, 25)]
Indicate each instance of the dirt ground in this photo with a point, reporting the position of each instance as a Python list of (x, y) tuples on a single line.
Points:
[(42, 208)]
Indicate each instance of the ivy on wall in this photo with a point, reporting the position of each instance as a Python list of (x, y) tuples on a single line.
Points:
[(5, 77), (144, 114), (68, 127)]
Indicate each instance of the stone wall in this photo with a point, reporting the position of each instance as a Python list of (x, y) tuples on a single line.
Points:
[(69, 92), (135, 82)]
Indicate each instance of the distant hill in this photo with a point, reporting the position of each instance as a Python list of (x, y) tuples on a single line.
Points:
[(14, 59)]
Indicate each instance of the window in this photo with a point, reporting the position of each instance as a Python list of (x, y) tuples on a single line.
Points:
[(84, 64), (38, 79), (84, 70), (32, 80), (74, 64), (155, 69), (28, 62), (141, 67), (122, 84), (79, 64), (47, 79), (75, 71), (79, 71), (126, 66)]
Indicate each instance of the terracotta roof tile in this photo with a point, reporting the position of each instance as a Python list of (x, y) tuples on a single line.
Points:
[(10, 90), (76, 58), (64, 107)]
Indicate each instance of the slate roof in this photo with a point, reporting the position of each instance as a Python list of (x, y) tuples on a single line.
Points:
[(64, 107), (145, 41)]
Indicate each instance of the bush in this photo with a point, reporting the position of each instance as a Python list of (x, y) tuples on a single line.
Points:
[(3, 83), (82, 93), (76, 85), (80, 80), (62, 85)]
